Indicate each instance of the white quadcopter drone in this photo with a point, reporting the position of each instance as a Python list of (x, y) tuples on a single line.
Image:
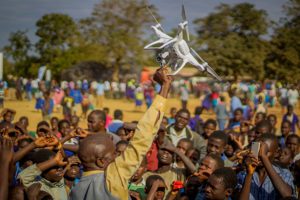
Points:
[(175, 52)]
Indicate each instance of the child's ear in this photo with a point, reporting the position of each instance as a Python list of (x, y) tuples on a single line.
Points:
[(100, 163), (228, 192)]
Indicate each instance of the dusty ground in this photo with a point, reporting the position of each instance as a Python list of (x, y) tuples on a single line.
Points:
[(130, 113)]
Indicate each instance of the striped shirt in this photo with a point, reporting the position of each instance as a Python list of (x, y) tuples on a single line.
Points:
[(266, 190)]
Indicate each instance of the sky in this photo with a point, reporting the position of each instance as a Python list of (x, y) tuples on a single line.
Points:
[(22, 14)]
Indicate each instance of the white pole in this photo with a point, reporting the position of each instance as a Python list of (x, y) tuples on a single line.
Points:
[(1, 66)]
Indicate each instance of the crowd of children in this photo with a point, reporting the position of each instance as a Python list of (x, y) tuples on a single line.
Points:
[(161, 156)]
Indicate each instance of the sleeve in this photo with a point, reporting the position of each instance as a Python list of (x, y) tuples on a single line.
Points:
[(28, 175), (289, 179), (120, 171)]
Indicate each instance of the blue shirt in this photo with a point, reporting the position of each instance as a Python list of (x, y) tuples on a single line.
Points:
[(235, 104), (266, 190)]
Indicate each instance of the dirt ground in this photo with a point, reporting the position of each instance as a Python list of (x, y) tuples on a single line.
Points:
[(130, 112)]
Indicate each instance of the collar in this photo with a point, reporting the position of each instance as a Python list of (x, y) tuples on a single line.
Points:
[(89, 173)]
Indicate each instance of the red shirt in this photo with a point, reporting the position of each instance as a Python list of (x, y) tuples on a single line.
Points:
[(152, 161)]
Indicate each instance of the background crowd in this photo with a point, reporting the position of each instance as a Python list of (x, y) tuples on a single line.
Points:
[(165, 155)]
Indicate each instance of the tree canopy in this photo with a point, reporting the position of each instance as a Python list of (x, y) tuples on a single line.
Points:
[(235, 39)]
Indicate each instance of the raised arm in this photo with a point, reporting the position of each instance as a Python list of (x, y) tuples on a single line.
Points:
[(120, 171), (6, 156), (283, 188)]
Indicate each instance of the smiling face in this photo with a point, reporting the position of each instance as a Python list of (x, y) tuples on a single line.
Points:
[(73, 172), (165, 157), (215, 145), (209, 129), (181, 120)]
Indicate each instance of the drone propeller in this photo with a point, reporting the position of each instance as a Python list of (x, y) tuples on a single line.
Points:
[(206, 66), (185, 20), (151, 13)]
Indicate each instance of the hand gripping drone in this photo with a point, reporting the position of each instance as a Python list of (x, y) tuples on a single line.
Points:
[(175, 52)]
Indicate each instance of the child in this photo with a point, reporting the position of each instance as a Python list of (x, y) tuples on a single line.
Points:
[(109, 119), (209, 127), (285, 158), (259, 117), (235, 122), (292, 117), (54, 127), (221, 184), (293, 143), (155, 188), (67, 104), (222, 113), (48, 106), (137, 183), (273, 121), (173, 112), (85, 103), (216, 144), (286, 127), (139, 97), (196, 123), (121, 147), (49, 167)]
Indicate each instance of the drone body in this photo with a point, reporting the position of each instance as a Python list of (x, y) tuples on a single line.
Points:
[(175, 52)]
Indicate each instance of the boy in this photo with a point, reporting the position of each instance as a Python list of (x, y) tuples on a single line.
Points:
[(263, 180), (96, 153), (221, 184), (293, 143), (216, 144), (49, 167), (155, 188)]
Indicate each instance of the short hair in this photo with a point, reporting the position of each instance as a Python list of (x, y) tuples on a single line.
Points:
[(217, 158), (187, 141), (54, 118), (227, 175), (238, 110), (219, 135), (61, 122), (290, 106), (183, 110), (268, 136), (261, 113), (106, 109), (122, 142), (118, 114), (43, 123), (271, 115), (43, 155), (264, 123), (27, 157), (23, 118), (293, 136), (198, 110), (150, 180), (100, 113), (210, 121), (288, 122)]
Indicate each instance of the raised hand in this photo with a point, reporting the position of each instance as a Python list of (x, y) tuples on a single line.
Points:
[(251, 163), (161, 76), (168, 146), (6, 150), (59, 159), (48, 141)]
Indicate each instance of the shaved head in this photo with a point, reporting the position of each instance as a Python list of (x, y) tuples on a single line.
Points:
[(93, 147)]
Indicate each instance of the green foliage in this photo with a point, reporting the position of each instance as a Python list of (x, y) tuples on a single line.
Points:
[(57, 35), (118, 27), (284, 59), (230, 39)]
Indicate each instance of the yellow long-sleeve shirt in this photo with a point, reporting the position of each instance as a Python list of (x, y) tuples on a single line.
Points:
[(120, 171)]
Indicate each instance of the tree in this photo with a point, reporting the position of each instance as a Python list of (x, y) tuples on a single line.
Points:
[(18, 51), (230, 39), (284, 58), (57, 35), (117, 27)]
